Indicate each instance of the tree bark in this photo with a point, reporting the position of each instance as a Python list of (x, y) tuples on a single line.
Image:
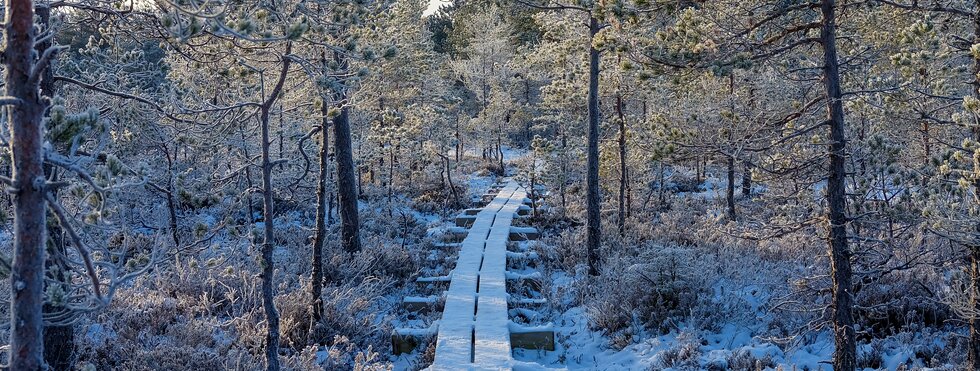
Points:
[(563, 170), (746, 178), (26, 146), (322, 199), (622, 165), (449, 177), (350, 238), (268, 265), (592, 192), (459, 141), (500, 147), (730, 189), (171, 200), (840, 254), (662, 193)]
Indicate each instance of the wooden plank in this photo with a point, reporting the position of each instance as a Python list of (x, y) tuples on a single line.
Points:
[(455, 339), (540, 340)]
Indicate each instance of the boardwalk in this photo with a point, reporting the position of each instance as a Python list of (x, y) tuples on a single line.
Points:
[(473, 333)]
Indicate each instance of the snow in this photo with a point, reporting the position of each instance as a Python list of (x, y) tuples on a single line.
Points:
[(474, 331), (521, 329), (99, 333), (422, 299)]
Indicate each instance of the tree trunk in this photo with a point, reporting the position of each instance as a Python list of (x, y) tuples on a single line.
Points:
[(563, 171), (622, 165), (248, 179), (459, 141), (730, 186), (171, 200), (592, 192), (746, 178), (662, 195), (697, 171), (926, 146), (350, 238), (391, 178), (500, 147), (840, 254), (268, 265), (730, 189), (26, 145), (322, 199), (449, 177)]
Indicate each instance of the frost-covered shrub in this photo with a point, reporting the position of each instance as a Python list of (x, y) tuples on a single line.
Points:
[(684, 180), (565, 250), (683, 355), (744, 360), (899, 302), (440, 199), (924, 348), (657, 289), (376, 258), (344, 355), (394, 221), (356, 298), (294, 317)]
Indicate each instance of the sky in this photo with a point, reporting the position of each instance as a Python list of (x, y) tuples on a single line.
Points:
[(433, 6)]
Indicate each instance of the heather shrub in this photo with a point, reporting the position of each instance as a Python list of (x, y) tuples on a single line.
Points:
[(682, 355), (654, 289)]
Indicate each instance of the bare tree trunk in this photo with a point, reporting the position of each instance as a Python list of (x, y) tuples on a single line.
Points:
[(322, 199), (171, 200), (449, 177), (746, 158), (26, 146), (592, 192), (391, 178), (730, 189), (622, 165), (248, 179), (662, 195), (926, 146), (697, 171), (442, 175), (268, 265), (459, 141), (350, 238), (746, 178), (840, 254), (500, 149), (563, 171)]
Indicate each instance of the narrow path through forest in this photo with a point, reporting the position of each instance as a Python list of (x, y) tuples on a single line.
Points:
[(474, 331)]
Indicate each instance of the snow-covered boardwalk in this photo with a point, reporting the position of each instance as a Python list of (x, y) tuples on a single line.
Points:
[(473, 333)]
